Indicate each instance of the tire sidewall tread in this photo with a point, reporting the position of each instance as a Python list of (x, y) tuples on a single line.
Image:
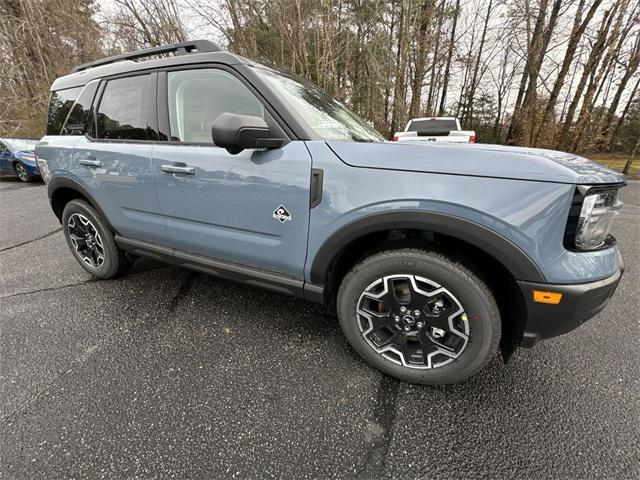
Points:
[(116, 262), (470, 289)]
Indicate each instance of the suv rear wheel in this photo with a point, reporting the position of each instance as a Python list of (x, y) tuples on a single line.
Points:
[(419, 316), (91, 241)]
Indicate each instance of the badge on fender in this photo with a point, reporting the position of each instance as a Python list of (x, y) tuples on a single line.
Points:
[(281, 214)]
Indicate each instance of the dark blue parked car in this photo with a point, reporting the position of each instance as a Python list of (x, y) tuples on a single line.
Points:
[(17, 157)]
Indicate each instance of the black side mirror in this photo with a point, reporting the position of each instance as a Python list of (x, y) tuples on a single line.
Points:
[(238, 132)]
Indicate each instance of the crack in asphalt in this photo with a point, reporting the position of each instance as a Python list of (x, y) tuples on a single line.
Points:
[(80, 359), (31, 241), (60, 287), (380, 433), (91, 350), (48, 289)]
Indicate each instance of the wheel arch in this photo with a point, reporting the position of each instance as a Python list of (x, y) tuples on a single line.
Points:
[(62, 190), (514, 259), (479, 247)]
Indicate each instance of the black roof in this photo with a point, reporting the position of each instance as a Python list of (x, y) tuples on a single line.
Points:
[(196, 51)]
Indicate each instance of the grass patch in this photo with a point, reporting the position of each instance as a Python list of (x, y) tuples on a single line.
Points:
[(616, 161)]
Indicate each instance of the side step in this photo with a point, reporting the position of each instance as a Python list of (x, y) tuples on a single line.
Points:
[(239, 273)]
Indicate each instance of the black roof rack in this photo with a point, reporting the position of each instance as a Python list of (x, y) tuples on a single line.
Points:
[(195, 46)]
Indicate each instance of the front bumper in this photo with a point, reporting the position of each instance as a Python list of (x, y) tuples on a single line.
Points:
[(579, 303)]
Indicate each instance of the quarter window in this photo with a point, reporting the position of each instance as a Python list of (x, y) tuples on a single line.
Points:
[(60, 102), (77, 119), (122, 111), (197, 97)]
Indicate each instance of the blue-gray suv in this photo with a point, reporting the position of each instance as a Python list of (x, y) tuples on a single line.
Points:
[(432, 254)]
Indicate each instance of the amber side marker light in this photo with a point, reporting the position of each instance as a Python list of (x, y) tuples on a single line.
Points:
[(547, 297)]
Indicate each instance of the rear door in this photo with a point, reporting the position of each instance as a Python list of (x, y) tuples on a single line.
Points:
[(251, 208), (114, 158)]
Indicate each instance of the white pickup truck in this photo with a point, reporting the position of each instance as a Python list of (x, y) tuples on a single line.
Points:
[(435, 129)]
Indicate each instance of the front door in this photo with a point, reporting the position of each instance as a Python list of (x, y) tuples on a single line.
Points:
[(251, 208)]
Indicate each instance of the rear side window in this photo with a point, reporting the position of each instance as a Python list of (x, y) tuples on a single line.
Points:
[(60, 102), (79, 115), (122, 113)]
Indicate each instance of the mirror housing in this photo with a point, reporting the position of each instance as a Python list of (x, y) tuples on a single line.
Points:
[(240, 132)]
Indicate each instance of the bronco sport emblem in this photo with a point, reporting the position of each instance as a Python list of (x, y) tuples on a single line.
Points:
[(281, 214)]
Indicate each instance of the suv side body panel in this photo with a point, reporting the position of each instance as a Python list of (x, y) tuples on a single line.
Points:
[(57, 152), (225, 210), (122, 183), (532, 215)]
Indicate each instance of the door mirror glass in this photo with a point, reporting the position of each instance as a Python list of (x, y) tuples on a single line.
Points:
[(239, 132)]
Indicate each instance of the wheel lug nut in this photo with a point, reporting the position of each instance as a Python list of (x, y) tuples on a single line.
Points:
[(437, 332), (406, 329), (397, 318), (416, 313), (403, 309), (419, 325)]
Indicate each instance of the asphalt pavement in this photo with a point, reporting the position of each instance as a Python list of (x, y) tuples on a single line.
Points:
[(168, 373)]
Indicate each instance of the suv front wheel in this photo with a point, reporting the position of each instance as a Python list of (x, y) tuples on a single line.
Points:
[(92, 242), (419, 316)]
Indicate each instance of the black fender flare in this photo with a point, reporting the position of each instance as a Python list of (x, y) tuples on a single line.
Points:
[(521, 266), (58, 183)]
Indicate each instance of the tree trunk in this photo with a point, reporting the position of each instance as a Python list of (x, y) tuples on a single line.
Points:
[(592, 62), (627, 166), (425, 14), (468, 112), (630, 70), (623, 115), (598, 74), (436, 60), (515, 126), (447, 69), (579, 27)]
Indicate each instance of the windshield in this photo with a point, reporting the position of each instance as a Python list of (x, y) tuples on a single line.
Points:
[(18, 144), (328, 117)]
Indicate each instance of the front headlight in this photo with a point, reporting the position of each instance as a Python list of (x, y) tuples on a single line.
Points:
[(593, 226)]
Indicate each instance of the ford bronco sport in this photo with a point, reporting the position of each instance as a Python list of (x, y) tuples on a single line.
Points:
[(433, 255)]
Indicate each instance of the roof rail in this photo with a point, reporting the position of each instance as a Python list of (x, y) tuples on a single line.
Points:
[(195, 46)]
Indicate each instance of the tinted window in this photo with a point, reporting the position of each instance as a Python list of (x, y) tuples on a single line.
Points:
[(122, 110), (79, 114), (197, 97), (433, 127), (60, 103)]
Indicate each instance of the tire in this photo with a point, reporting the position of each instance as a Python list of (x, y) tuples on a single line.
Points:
[(21, 172), (99, 243), (452, 336)]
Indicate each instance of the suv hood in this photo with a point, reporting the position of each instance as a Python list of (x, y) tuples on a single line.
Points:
[(496, 161)]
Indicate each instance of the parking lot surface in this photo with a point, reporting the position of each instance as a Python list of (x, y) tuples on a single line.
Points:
[(168, 373)]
